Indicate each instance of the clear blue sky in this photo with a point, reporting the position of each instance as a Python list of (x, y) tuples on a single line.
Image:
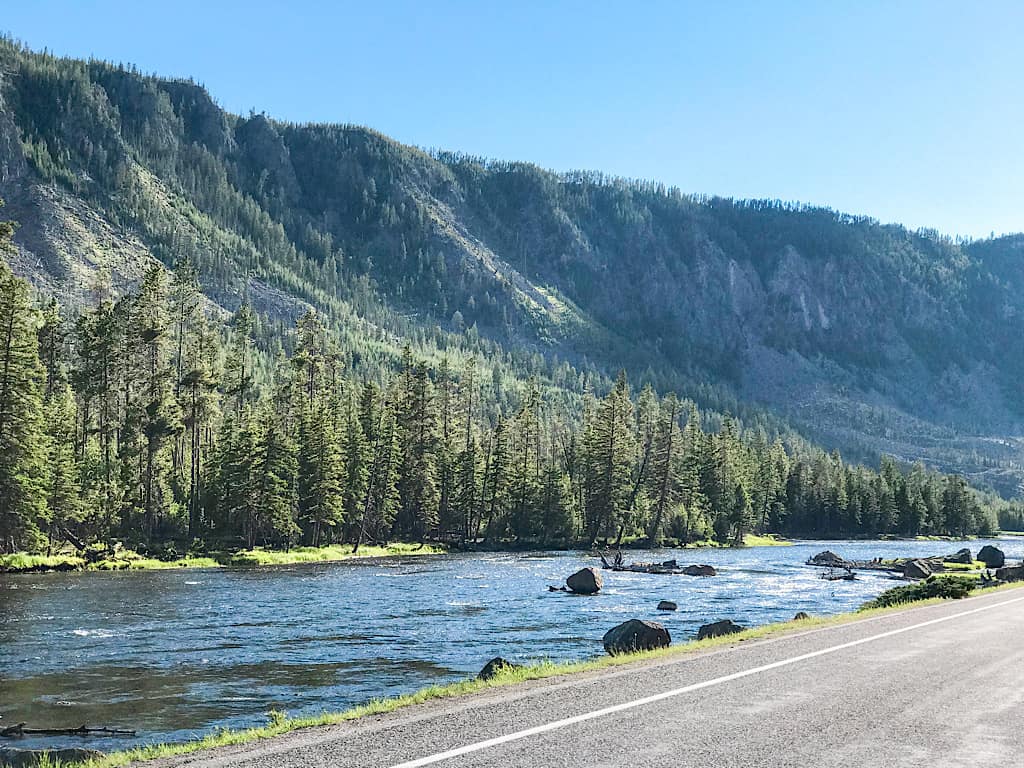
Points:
[(906, 111)]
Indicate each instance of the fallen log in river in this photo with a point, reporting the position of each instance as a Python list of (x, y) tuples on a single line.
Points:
[(666, 568)]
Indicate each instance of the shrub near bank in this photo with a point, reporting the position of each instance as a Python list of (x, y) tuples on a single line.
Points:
[(953, 587)]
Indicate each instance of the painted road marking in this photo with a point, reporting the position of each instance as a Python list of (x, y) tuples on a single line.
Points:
[(552, 726)]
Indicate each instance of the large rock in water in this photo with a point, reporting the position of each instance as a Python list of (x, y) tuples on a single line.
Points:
[(699, 570), (586, 581), (917, 569), (992, 557), (635, 635), (667, 605), (495, 666), (828, 559), (718, 629), (30, 758), (962, 556)]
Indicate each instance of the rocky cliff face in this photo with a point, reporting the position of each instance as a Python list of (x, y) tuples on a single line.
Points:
[(868, 338)]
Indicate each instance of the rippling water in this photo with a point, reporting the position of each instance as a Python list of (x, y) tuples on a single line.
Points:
[(174, 654)]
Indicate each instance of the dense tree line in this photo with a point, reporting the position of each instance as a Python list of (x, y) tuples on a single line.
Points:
[(149, 419)]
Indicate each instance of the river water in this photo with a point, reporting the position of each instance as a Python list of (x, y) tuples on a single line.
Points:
[(174, 654)]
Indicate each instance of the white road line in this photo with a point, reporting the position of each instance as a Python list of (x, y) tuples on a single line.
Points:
[(536, 730)]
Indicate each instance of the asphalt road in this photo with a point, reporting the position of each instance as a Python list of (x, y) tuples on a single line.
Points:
[(936, 683)]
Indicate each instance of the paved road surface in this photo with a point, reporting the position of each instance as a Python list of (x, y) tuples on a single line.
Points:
[(940, 684)]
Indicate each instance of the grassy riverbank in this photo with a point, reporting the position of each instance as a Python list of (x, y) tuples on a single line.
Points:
[(130, 561), (280, 723), (22, 562)]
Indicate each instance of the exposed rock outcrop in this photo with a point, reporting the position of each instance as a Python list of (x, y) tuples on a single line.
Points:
[(1010, 573), (917, 569), (635, 635), (828, 559), (586, 581), (962, 556), (992, 557), (719, 629), (495, 666)]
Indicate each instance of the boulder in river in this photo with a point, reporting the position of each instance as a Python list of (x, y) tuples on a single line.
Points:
[(801, 616), (667, 605), (699, 570), (30, 758), (636, 635), (1010, 573), (828, 559), (718, 629), (962, 556), (917, 569), (493, 667), (992, 557), (586, 581)]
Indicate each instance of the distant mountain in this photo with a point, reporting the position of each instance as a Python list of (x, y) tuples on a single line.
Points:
[(863, 337)]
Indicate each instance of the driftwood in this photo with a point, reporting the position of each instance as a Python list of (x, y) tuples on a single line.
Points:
[(18, 730), (836, 574), (667, 568)]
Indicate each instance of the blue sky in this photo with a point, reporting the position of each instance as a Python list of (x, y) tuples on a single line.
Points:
[(906, 111)]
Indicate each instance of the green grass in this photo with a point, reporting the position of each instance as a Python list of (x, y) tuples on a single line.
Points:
[(977, 565), (768, 540), (327, 554), (22, 561), (280, 723), (138, 563), (132, 561)]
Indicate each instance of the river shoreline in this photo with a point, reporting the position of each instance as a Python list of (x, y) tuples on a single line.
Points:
[(26, 563), (20, 563), (280, 723)]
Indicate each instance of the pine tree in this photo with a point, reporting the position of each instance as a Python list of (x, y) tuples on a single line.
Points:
[(276, 468), (319, 478), (355, 453), (63, 492), (495, 488), (160, 419), (238, 367), (23, 470), (610, 464), (663, 477), (418, 475)]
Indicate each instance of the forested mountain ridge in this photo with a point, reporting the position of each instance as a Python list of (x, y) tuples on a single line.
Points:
[(867, 338)]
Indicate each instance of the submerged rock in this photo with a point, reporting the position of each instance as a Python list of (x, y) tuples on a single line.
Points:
[(635, 635), (992, 557), (719, 629), (699, 570), (586, 581), (667, 605), (495, 666)]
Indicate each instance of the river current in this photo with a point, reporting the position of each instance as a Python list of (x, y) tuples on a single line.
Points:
[(175, 654)]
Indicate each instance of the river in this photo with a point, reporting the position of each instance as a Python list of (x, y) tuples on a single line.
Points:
[(174, 654)]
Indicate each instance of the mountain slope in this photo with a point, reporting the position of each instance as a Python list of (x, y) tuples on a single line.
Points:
[(867, 338)]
